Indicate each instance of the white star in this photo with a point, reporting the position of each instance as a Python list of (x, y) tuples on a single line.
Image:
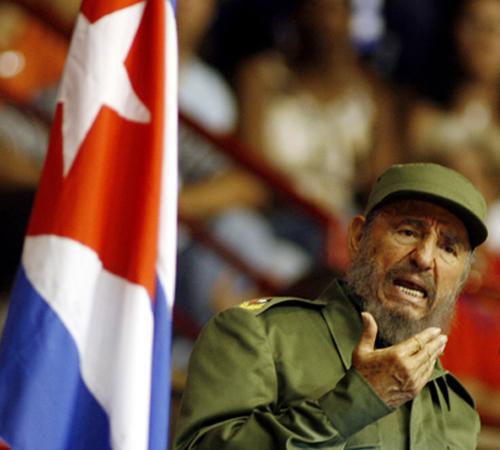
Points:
[(95, 75)]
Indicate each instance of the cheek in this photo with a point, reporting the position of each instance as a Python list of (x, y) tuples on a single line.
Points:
[(380, 267), (448, 280), (389, 255)]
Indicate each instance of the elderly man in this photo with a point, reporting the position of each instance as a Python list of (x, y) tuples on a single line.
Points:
[(358, 367)]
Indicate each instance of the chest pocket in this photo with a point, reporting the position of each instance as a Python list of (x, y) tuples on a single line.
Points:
[(366, 439)]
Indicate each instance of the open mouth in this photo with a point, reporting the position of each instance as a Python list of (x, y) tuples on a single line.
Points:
[(411, 288)]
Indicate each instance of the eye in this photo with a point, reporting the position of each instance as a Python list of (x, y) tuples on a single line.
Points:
[(406, 235), (451, 250), (407, 232)]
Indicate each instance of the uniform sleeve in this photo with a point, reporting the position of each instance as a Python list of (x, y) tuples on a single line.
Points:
[(230, 401)]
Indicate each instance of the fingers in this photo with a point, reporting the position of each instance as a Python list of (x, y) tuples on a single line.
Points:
[(417, 342), (429, 352), (367, 339), (421, 364), (421, 376)]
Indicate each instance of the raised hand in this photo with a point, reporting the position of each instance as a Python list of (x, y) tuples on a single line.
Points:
[(397, 373)]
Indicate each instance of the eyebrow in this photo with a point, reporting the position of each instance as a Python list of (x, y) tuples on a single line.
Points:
[(452, 238), (449, 236), (418, 223)]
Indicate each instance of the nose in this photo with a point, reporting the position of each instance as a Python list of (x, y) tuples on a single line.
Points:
[(424, 254)]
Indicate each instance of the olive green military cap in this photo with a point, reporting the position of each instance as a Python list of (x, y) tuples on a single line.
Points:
[(437, 184)]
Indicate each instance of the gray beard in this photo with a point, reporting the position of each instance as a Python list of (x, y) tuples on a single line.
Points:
[(393, 326)]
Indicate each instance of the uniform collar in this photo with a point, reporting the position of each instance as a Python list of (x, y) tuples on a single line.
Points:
[(343, 320)]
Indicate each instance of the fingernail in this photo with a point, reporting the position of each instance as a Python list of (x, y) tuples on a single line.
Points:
[(436, 330), (443, 339)]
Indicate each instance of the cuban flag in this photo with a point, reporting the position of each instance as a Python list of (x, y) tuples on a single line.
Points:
[(84, 358)]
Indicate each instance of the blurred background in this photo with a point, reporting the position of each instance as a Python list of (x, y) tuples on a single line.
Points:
[(289, 109)]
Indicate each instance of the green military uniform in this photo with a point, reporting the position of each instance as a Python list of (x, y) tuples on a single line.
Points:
[(277, 374)]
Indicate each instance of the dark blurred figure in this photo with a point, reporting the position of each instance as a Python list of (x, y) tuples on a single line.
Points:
[(15, 209), (241, 28), (28, 87), (418, 31)]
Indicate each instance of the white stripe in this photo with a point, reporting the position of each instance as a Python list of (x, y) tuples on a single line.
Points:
[(110, 320), (168, 208)]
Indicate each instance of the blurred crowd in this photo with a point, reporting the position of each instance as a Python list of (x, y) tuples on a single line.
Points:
[(326, 93)]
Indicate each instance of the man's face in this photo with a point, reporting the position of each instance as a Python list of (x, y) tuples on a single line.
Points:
[(409, 265)]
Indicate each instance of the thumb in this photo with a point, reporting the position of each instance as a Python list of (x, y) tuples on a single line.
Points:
[(367, 339)]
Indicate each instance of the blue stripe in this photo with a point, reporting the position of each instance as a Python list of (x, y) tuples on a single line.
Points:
[(44, 404), (160, 383)]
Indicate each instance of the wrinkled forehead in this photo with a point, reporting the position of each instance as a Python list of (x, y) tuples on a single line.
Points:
[(428, 214)]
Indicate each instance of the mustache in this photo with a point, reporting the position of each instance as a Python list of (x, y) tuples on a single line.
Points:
[(424, 277)]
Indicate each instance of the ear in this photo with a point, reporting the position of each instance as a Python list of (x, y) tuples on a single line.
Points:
[(355, 234)]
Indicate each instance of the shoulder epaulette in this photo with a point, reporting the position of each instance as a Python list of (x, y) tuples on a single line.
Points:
[(259, 305)]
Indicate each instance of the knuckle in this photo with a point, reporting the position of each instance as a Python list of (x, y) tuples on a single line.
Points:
[(406, 369), (395, 358), (415, 390), (410, 396)]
